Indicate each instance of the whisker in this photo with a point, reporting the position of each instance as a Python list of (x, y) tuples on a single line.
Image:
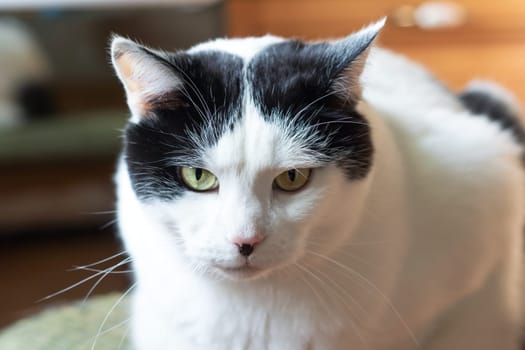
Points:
[(108, 224), (304, 269), (375, 288), (105, 273), (69, 288), (314, 291), (101, 261), (76, 268), (340, 288), (322, 283), (123, 338), (81, 281), (353, 244), (115, 326), (351, 255), (119, 300)]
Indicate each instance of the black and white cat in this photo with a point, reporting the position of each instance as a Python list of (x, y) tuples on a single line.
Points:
[(277, 194)]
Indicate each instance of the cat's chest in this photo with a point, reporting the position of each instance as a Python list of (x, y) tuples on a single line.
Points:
[(221, 325)]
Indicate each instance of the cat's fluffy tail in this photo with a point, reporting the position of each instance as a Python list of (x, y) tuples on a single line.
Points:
[(492, 100)]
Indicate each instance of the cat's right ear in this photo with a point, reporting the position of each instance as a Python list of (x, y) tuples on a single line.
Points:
[(146, 75)]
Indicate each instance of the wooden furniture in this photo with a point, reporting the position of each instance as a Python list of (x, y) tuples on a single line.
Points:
[(57, 173), (487, 41), (36, 266)]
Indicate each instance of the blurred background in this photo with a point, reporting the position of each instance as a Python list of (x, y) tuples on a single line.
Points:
[(62, 109)]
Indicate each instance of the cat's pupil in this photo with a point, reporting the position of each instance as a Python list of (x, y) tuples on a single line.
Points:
[(198, 173), (291, 175)]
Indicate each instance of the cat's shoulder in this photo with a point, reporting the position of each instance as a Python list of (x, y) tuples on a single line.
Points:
[(441, 138), (425, 112)]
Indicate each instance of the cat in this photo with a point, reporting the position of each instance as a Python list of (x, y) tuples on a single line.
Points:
[(280, 194)]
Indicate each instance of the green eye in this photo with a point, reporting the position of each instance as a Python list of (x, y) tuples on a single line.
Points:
[(293, 179), (199, 179)]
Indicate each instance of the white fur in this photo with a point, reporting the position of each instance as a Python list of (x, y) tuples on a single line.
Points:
[(245, 48), (426, 251)]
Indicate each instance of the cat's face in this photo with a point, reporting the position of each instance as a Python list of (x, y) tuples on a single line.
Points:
[(247, 153)]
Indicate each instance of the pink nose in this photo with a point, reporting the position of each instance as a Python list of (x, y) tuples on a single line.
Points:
[(253, 240), (246, 245)]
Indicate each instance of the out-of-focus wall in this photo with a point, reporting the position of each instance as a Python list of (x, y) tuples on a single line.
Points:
[(76, 42), (56, 166)]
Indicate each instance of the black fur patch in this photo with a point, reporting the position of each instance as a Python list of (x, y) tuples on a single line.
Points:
[(161, 142), (296, 81), (486, 104), (291, 80)]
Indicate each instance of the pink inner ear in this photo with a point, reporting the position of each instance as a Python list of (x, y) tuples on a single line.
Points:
[(126, 68), (147, 82)]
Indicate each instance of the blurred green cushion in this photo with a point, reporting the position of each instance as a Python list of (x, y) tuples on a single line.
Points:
[(73, 327)]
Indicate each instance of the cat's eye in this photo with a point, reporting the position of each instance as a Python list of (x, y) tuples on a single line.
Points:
[(198, 179), (293, 179)]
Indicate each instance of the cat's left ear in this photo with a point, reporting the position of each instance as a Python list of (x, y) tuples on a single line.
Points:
[(146, 75), (350, 55)]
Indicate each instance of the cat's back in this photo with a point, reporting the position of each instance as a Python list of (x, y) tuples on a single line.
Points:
[(463, 167), (437, 129)]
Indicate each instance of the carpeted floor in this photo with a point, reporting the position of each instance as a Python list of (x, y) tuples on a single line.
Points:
[(99, 324), (38, 264)]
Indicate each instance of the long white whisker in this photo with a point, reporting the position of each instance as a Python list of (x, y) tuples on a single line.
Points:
[(353, 244), (119, 300), (375, 288), (103, 260), (350, 255), (341, 289), (314, 291), (102, 271), (83, 280), (352, 322), (123, 338), (106, 272), (70, 287), (115, 326), (108, 224)]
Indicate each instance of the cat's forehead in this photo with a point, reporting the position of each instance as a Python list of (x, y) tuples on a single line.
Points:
[(256, 145), (264, 132), (246, 48)]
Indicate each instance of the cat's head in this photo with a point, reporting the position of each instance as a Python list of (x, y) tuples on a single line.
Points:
[(247, 153)]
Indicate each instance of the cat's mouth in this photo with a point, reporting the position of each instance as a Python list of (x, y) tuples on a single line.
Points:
[(244, 271)]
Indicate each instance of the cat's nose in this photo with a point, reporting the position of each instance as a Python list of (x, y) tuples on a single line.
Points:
[(246, 249), (247, 245)]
